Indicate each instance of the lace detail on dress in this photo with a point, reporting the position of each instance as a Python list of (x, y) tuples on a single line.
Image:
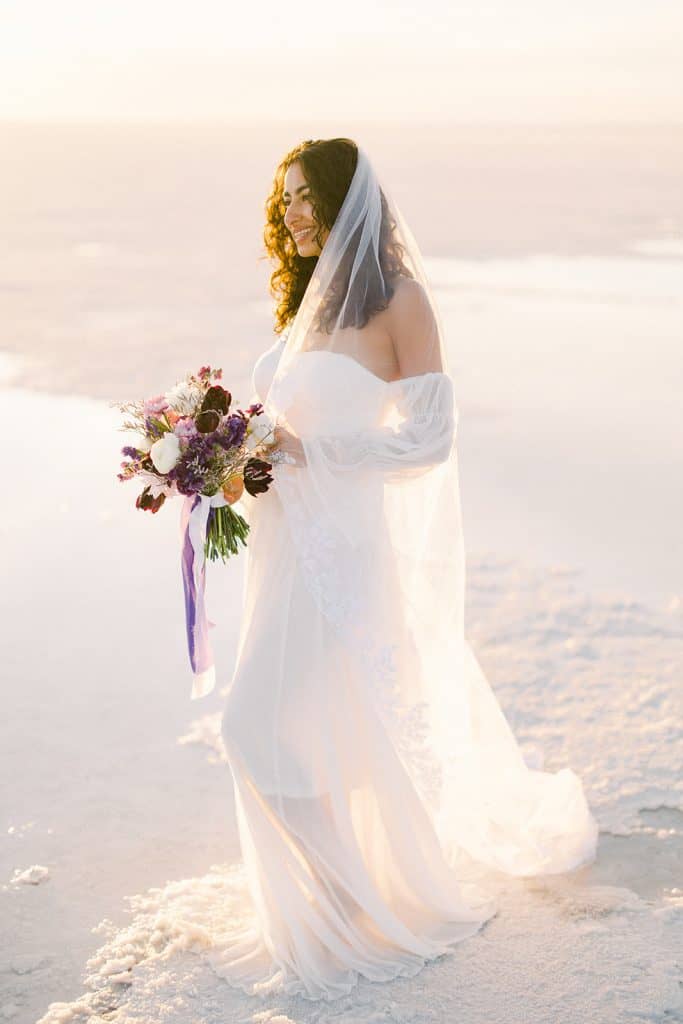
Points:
[(343, 598), (321, 556), (407, 725)]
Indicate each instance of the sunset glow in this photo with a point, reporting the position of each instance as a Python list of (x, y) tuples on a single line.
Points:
[(524, 62)]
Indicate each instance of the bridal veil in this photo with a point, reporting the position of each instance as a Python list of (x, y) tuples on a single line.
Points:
[(375, 515)]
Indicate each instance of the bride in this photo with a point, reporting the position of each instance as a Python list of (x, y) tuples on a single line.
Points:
[(375, 775)]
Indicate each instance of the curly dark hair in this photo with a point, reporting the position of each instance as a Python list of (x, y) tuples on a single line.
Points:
[(328, 166)]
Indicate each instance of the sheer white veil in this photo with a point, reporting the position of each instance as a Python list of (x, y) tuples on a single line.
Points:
[(368, 250), (376, 517)]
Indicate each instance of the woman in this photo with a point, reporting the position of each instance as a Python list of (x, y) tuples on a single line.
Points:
[(375, 775)]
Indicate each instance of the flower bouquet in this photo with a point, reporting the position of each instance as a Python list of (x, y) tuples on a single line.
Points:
[(190, 442)]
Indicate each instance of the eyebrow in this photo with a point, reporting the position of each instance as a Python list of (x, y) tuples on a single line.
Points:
[(299, 189)]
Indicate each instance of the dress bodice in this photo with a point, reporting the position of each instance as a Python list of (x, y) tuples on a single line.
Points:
[(323, 392), (329, 393)]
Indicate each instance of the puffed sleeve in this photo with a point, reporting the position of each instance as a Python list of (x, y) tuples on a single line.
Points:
[(422, 439)]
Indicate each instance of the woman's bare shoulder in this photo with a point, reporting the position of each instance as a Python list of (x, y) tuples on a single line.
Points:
[(413, 328), (407, 289)]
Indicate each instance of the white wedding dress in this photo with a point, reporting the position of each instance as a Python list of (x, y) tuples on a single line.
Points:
[(354, 867)]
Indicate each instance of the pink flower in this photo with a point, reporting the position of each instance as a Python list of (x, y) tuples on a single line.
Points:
[(185, 428), (206, 373), (154, 405)]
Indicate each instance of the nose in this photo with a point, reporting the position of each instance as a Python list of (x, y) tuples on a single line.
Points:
[(293, 217)]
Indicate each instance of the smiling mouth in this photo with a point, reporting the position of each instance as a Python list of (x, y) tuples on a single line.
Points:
[(299, 235)]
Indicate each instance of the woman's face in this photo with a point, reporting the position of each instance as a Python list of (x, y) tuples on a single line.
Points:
[(299, 218)]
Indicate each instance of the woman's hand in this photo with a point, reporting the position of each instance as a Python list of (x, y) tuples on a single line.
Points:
[(290, 444)]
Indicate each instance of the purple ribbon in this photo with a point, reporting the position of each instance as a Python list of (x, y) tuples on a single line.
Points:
[(193, 526)]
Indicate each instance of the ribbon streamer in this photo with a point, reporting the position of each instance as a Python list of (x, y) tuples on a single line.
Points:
[(193, 524)]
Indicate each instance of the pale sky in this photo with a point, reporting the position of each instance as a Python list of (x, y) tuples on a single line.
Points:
[(521, 60)]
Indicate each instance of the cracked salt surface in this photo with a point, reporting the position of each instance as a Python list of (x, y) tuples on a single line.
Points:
[(592, 683)]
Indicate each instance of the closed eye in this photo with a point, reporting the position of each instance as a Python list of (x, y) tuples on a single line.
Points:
[(307, 196)]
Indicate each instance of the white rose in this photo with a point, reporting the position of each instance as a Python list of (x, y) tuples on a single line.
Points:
[(165, 452), (184, 398), (141, 442), (259, 430)]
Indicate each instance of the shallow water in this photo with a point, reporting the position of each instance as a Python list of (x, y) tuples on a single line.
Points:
[(569, 374)]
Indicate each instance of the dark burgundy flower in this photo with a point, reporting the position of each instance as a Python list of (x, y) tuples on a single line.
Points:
[(146, 502), (217, 398), (257, 476), (207, 421)]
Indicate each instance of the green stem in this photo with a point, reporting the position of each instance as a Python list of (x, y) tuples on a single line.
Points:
[(226, 529)]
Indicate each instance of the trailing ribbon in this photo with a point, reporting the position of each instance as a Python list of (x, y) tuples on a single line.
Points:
[(193, 526)]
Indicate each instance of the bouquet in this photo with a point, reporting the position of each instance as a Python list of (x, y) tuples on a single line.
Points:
[(188, 442), (191, 442)]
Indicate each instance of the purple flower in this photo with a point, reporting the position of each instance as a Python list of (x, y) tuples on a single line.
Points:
[(189, 473), (131, 452), (187, 478), (153, 430), (231, 430), (185, 428)]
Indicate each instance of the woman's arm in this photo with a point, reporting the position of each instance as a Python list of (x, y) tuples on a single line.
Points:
[(422, 440)]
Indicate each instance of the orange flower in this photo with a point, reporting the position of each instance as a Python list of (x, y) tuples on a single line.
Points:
[(233, 488)]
